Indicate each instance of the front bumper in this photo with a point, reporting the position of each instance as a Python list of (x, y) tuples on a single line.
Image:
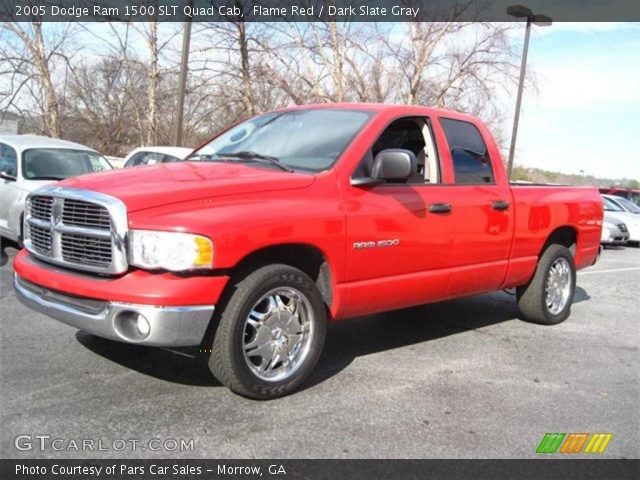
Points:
[(174, 326), (613, 236), (615, 239)]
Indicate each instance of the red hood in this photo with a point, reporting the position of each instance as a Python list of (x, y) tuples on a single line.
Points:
[(153, 186)]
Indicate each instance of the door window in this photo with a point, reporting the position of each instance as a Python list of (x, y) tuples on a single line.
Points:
[(471, 162), (411, 134), (8, 160)]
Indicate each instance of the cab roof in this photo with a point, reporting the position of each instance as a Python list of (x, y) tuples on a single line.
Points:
[(384, 108)]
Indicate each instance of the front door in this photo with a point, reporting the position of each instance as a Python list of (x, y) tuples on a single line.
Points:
[(9, 190), (398, 244)]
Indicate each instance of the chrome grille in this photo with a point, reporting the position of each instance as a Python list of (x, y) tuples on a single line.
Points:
[(77, 228), (41, 239), (86, 249), (41, 207), (85, 214)]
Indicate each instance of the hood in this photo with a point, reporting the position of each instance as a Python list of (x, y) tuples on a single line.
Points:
[(622, 217), (168, 183), (31, 185)]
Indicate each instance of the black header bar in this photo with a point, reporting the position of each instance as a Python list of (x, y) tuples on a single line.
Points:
[(313, 10), (121, 469)]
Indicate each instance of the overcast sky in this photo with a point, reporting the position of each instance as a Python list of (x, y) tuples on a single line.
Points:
[(586, 113)]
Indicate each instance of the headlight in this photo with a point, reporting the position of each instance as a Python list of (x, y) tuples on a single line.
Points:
[(169, 250)]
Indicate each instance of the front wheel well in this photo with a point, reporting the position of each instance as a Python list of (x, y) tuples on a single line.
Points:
[(307, 258), (565, 236)]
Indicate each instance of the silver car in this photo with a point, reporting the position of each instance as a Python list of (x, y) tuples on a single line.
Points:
[(30, 161), (614, 230), (613, 209)]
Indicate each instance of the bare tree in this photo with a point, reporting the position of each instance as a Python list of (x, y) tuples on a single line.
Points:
[(30, 57), (98, 109), (231, 49), (459, 66), (158, 58), (124, 94), (322, 61)]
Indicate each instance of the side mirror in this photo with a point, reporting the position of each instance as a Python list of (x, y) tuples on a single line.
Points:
[(7, 176), (394, 165)]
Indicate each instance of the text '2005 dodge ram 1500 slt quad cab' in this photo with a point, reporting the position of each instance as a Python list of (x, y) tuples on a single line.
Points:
[(294, 218)]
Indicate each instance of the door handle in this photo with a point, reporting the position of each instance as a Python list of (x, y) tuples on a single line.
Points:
[(500, 205), (440, 207)]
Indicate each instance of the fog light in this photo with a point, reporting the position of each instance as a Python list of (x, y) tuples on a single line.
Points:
[(132, 326), (143, 326)]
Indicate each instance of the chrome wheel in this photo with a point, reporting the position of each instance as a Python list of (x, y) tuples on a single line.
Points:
[(278, 334), (558, 287)]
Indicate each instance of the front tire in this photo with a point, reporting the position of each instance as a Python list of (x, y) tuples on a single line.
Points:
[(270, 333), (547, 298)]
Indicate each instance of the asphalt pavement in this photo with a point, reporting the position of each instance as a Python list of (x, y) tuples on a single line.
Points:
[(457, 379)]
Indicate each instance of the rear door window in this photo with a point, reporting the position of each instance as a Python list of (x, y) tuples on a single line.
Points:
[(471, 162)]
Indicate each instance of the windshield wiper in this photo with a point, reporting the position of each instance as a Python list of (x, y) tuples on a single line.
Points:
[(47, 177), (254, 156), (244, 155)]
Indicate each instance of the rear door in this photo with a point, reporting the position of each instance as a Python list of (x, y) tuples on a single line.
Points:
[(481, 207)]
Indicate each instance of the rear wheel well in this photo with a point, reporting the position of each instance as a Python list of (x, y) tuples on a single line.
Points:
[(306, 258), (565, 236)]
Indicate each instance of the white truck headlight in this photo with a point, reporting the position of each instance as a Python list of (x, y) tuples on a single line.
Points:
[(173, 251)]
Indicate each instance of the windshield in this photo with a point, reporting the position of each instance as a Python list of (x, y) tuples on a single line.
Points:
[(59, 163), (300, 139), (610, 206), (628, 204), (150, 158)]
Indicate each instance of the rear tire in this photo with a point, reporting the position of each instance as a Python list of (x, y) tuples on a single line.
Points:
[(547, 298), (270, 333)]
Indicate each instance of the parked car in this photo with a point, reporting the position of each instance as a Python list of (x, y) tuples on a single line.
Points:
[(116, 162), (625, 204), (154, 155), (614, 231), (615, 211), (30, 161), (295, 218)]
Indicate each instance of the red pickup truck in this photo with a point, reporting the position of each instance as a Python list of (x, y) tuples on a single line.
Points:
[(294, 218)]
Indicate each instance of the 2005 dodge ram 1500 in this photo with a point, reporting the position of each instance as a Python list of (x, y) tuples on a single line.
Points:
[(293, 218)]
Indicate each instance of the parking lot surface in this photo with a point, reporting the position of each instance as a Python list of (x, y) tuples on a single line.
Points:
[(457, 379)]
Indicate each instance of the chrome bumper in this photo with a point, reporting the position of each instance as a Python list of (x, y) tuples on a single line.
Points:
[(165, 326)]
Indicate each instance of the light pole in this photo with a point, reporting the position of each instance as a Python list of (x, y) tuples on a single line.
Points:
[(519, 11), (184, 66)]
